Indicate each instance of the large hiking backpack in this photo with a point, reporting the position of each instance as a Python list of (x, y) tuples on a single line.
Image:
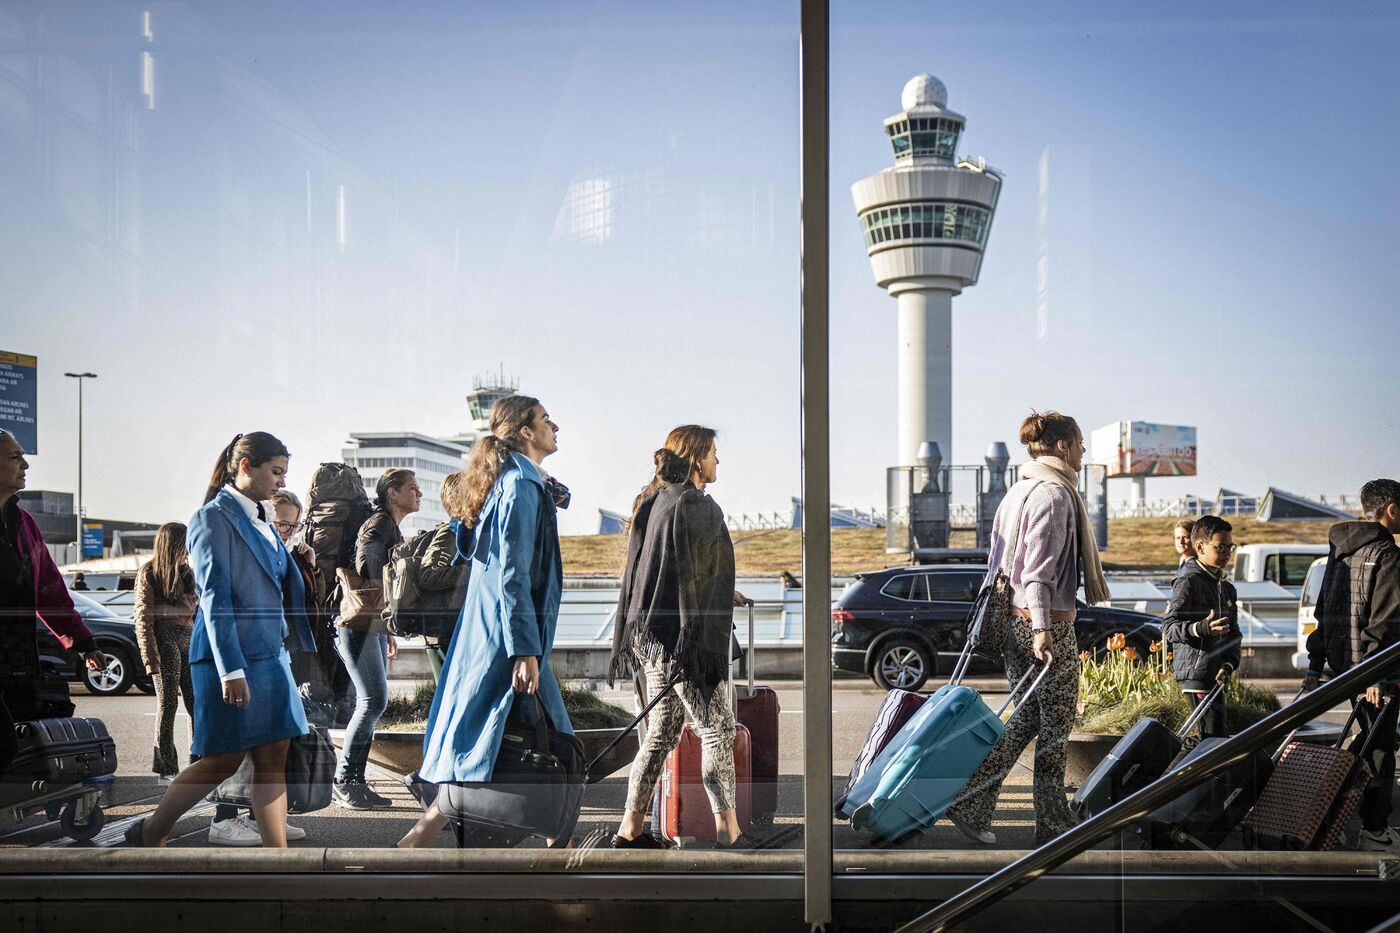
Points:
[(336, 507), (409, 609)]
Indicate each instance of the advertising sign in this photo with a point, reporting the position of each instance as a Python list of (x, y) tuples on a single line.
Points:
[(92, 539), (19, 393), (1143, 448)]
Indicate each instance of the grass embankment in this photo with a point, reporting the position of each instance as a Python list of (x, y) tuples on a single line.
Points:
[(1134, 544)]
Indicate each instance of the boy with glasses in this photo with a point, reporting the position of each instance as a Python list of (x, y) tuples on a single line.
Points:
[(1201, 627), (1358, 613)]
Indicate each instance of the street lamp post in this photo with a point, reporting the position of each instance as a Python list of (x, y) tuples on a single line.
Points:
[(78, 508)]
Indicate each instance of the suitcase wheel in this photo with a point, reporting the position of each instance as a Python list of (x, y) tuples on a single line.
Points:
[(83, 832)]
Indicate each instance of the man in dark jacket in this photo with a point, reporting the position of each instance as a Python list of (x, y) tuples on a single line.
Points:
[(1358, 613), (1202, 627)]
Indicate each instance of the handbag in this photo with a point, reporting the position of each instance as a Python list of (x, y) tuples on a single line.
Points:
[(309, 771), (990, 617), (536, 785), (361, 602)]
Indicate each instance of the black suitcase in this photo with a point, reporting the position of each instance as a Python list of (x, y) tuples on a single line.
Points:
[(1202, 817), (55, 753), (310, 770), (1139, 758), (536, 786)]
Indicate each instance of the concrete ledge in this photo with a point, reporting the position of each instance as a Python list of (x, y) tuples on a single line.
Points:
[(607, 861)]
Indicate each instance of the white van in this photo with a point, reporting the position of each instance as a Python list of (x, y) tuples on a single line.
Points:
[(1284, 564), (1307, 602)]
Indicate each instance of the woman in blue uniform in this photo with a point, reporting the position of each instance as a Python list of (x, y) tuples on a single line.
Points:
[(250, 596)]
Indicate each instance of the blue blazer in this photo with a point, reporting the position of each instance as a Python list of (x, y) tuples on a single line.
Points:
[(250, 596)]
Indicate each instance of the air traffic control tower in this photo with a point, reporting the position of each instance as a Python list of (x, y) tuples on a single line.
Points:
[(926, 221)]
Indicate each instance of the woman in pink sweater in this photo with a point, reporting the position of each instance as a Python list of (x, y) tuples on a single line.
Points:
[(1042, 540)]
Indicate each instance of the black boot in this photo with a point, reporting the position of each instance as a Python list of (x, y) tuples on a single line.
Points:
[(355, 793)]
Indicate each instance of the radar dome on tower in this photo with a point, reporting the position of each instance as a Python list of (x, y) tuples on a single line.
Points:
[(922, 91)]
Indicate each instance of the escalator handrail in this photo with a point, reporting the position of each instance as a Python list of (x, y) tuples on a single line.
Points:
[(1383, 665)]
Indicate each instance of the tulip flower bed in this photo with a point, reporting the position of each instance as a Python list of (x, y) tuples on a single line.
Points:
[(1117, 688)]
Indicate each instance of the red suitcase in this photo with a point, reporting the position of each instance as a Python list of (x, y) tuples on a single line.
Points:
[(684, 813), (758, 711), (898, 708)]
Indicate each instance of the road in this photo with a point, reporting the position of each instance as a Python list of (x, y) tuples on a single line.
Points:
[(130, 719)]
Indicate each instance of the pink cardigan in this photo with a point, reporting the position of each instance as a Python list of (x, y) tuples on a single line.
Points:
[(51, 599)]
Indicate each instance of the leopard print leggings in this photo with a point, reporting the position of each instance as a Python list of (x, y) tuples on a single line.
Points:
[(173, 682), (713, 721), (1046, 717)]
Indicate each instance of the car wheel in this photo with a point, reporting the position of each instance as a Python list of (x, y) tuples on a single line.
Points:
[(902, 664), (114, 679)]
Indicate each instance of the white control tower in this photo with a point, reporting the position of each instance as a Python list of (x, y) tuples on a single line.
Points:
[(926, 221)]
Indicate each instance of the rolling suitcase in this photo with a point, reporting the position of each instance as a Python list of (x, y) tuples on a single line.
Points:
[(683, 807), (1140, 757), (758, 711), (54, 753), (1202, 817), (898, 708), (951, 736), (1313, 793)]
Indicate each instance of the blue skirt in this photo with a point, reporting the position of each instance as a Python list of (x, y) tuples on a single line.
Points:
[(274, 711)]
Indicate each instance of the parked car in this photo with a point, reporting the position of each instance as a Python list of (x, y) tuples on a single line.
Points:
[(1307, 604), (1284, 564), (117, 639), (904, 625)]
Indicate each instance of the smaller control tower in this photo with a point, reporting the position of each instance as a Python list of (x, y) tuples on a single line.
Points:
[(926, 221)]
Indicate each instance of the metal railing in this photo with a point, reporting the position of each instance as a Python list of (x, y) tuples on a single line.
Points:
[(1182, 778)]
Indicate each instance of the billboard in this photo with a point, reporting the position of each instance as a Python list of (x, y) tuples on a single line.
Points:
[(1143, 448), (19, 393)]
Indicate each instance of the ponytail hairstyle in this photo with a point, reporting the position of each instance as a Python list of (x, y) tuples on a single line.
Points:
[(1042, 432), (257, 448), (392, 479), (167, 572), (490, 454), (678, 459)]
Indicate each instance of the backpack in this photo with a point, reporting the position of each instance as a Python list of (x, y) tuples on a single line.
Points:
[(336, 507), (408, 608)]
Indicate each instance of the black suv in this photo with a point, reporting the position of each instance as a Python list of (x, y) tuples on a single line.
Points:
[(117, 639), (904, 625)]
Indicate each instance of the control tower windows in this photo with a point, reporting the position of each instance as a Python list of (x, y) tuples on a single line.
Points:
[(932, 136), (926, 221)]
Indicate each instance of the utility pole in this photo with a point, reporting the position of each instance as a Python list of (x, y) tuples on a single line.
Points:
[(78, 508)]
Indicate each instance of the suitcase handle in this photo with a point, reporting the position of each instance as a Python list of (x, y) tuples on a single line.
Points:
[(1200, 711), (1044, 669), (749, 664)]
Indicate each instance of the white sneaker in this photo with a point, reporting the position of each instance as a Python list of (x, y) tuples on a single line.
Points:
[(239, 831), (1388, 840), (295, 833)]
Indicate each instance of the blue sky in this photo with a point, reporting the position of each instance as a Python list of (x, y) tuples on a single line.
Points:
[(603, 199)]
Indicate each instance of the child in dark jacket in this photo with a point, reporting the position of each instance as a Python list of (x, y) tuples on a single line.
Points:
[(1358, 614), (1201, 627)]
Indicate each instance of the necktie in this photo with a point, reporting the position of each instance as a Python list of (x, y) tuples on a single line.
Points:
[(262, 513)]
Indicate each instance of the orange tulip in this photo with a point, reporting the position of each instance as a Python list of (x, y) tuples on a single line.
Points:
[(1155, 647), (1085, 656), (1169, 655), (1117, 642), (1130, 653)]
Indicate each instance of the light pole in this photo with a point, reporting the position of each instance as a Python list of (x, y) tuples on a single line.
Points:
[(78, 509)]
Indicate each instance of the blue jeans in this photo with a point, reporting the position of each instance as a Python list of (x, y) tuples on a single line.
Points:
[(366, 658)]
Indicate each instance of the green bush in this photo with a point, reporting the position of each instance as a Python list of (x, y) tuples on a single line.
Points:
[(586, 710)]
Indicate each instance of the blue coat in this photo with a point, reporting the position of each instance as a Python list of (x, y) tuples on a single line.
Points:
[(511, 610)]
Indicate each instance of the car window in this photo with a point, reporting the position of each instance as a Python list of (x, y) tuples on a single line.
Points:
[(1271, 569), (1312, 585), (908, 586), (1293, 568), (954, 587)]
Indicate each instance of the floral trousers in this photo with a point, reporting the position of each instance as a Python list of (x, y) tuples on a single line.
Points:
[(1047, 716)]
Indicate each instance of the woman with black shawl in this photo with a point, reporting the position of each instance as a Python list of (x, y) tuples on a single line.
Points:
[(674, 618)]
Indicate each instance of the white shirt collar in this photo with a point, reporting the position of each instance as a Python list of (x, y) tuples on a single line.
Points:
[(250, 508)]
